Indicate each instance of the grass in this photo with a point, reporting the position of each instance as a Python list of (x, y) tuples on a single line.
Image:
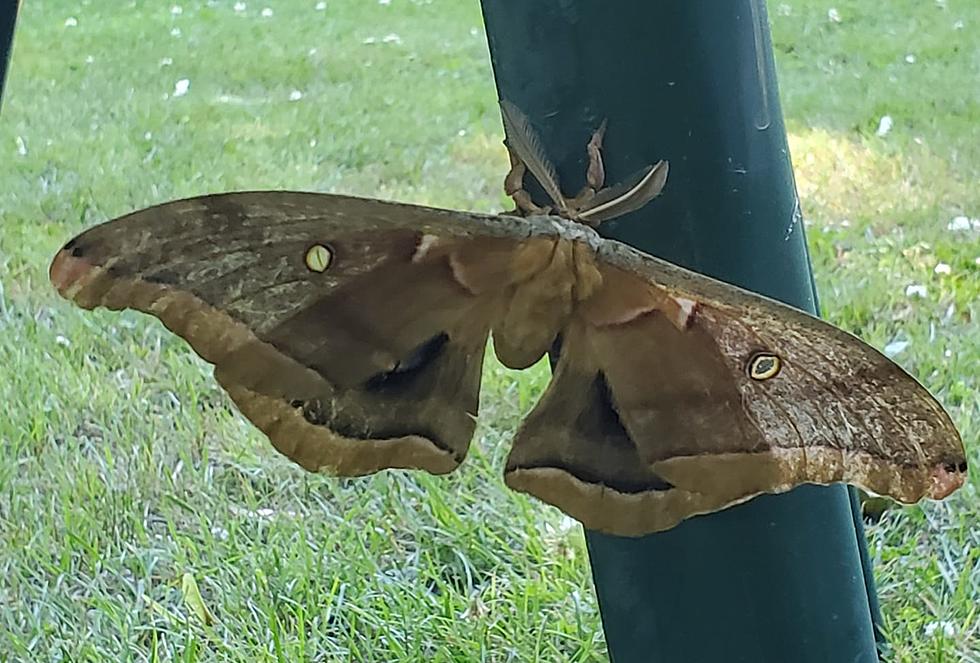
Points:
[(125, 476)]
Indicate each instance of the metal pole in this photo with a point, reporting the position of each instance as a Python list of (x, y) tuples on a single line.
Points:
[(8, 15), (780, 578)]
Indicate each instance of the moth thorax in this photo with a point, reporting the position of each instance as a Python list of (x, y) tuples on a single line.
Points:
[(557, 269), (587, 275)]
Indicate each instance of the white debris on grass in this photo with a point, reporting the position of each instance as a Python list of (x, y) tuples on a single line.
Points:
[(946, 627), (961, 223), (916, 290), (885, 125)]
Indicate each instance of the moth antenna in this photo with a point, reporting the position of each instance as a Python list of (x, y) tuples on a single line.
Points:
[(524, 141), (628, 197)]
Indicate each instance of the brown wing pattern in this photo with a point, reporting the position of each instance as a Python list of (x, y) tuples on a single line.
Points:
[(352, 332)]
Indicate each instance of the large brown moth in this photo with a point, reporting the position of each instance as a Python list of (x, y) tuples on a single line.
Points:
[(352, 333)]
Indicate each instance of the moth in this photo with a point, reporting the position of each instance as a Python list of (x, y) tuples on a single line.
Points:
[(352, 332)]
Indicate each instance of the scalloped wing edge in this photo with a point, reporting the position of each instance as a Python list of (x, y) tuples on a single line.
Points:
[(214, 335), (605, 509)]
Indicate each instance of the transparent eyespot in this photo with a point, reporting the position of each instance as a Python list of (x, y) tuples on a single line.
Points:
[(318, 258), (763, 366)]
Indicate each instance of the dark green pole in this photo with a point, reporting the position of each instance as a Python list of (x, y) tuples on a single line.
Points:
[(779, 579), (8, 14)]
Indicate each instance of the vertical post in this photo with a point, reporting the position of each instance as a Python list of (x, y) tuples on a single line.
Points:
[(779, 578), (8, 15)]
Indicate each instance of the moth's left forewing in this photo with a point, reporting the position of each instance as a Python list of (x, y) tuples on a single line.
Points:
[(834, 410), (814, 403)]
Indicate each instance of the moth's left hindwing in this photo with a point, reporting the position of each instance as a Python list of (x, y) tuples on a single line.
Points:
[(338, 325)]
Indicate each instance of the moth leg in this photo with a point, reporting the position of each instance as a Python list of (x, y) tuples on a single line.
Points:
[(595, 174), (514, 187)]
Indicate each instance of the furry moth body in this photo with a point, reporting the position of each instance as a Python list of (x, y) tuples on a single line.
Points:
[(352, 332)]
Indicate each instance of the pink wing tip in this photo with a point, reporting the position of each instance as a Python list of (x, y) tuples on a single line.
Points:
[(66, 270), (945, 481)]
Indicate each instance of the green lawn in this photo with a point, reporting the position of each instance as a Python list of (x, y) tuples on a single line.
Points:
[(124, 472)]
